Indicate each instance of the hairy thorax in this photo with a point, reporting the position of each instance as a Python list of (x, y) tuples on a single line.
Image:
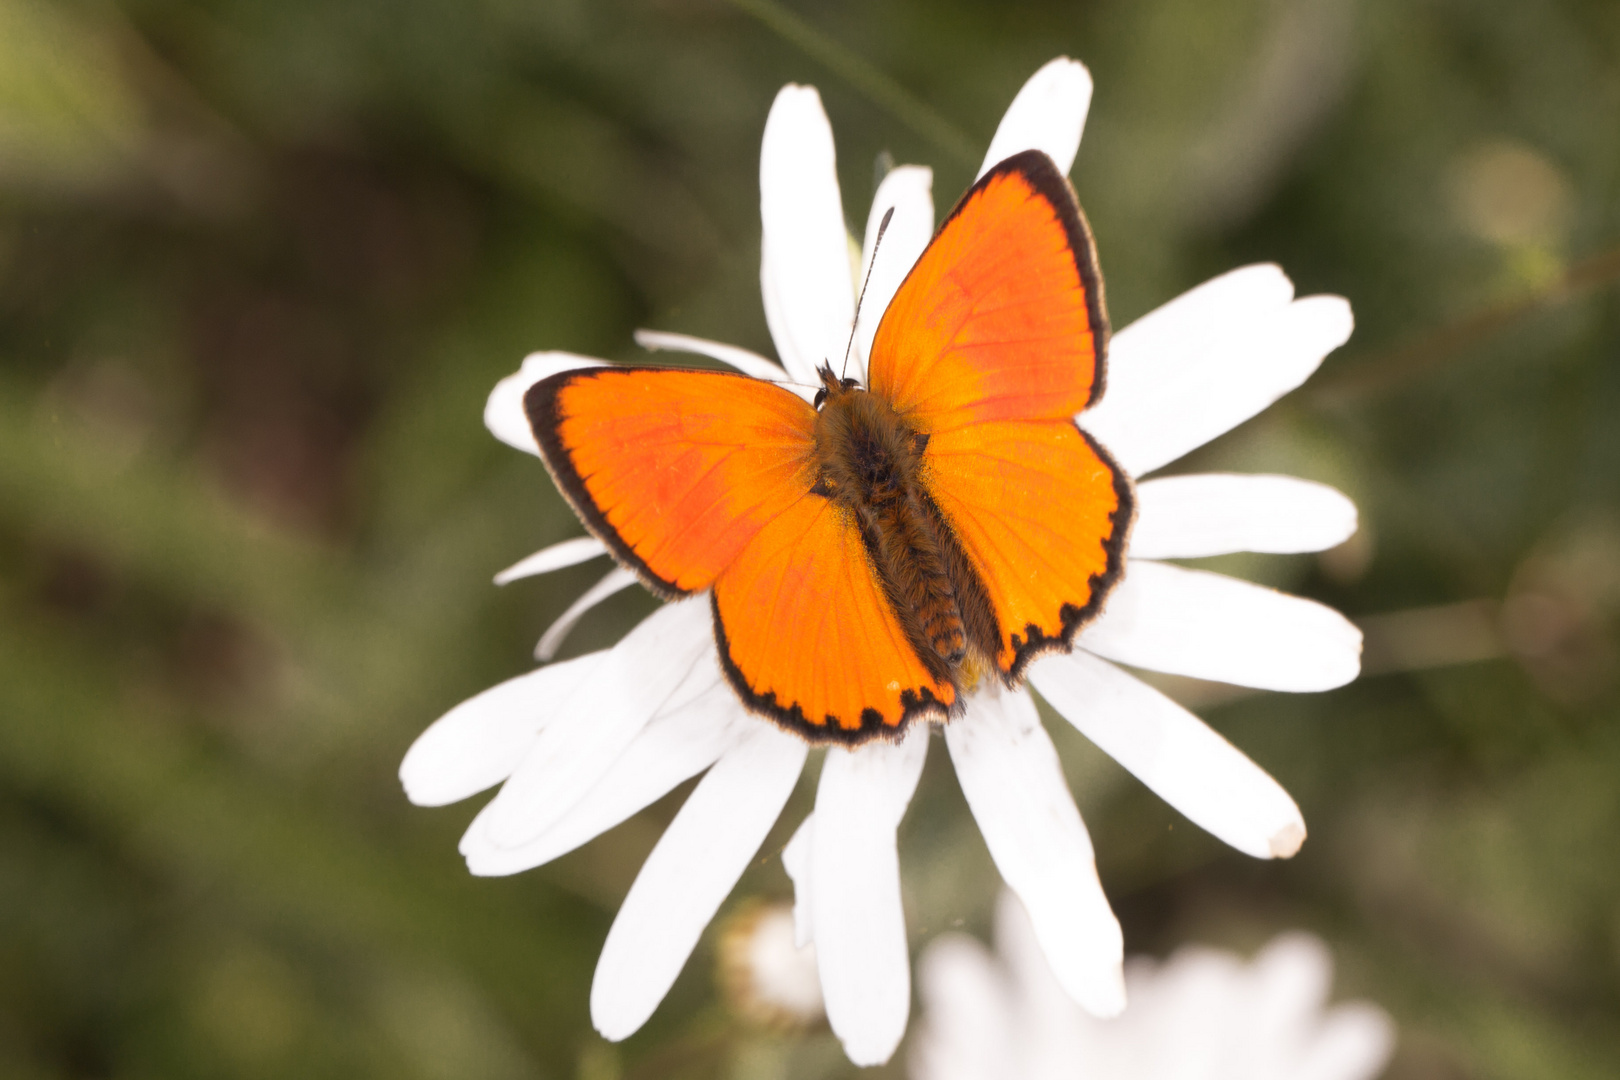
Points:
[(872, 465)]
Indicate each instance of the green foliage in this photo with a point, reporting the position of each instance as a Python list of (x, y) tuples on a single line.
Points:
[(261, 262)]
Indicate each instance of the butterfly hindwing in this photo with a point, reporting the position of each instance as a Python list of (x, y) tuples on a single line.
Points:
[(993, 343), (1042, 513), (807, 635)]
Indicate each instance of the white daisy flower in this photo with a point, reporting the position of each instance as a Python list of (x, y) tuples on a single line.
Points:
[(1203, 1014), (765, 976), (583, 744)]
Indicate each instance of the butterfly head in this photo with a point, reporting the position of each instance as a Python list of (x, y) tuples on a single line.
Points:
[(833, 386)]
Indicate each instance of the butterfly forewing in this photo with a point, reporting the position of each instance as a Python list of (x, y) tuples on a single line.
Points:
[(676, 471), (1002, 318)]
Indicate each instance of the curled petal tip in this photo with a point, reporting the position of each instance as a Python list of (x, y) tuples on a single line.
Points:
[(1286, 841)]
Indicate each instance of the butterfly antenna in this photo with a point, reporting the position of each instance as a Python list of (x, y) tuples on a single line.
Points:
[(883, 227)]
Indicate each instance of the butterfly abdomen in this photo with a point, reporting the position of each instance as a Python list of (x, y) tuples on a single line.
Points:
[(871, 463), (909, 559)]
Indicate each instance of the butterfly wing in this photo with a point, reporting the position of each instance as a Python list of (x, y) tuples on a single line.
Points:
[(699, 479), (992, 344), (807, 635)]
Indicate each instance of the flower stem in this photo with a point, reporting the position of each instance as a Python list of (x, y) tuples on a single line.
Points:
[(1431, 349), (865, 77)]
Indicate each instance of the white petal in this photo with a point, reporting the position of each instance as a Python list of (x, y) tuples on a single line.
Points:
[(666, 657), (1209, 360), (478, 743), (689, 873), (503, 412), (1191, 622), (1050, 1020), (1200, 1012), (1048, 114), (1182, 333), (804, 266), (1354, 1042), (566, 553), (908, 191), (1292, 977), (860, 929), (617, 580), (796, 861), (1190, 517), (966, 1032), (674, 746), (1014, 785), (744, 360), (1184, 761)]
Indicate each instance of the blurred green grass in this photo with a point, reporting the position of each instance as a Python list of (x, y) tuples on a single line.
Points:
[(260, 263)]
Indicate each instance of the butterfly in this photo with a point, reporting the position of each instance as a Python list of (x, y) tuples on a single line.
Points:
[(873, 554)]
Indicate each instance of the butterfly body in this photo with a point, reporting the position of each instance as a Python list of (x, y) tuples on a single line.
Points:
[(870, 556), (873, 467)]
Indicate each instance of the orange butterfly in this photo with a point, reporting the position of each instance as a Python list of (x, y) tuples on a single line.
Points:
[(875, 554)]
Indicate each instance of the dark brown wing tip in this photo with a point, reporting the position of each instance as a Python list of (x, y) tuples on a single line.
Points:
[(1074, 618), (540, 405), (916, 707), (1042, 173)]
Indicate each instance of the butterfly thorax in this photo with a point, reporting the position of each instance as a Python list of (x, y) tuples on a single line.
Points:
[(872, 465)]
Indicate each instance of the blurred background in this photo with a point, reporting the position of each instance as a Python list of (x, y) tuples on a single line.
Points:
[(260, 263)]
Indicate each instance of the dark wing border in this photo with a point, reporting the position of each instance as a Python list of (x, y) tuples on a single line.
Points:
[(912, 705)]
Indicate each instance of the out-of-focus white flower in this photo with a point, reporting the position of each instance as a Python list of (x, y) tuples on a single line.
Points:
[(765, 975), (1203, 1014), (583, 744)]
